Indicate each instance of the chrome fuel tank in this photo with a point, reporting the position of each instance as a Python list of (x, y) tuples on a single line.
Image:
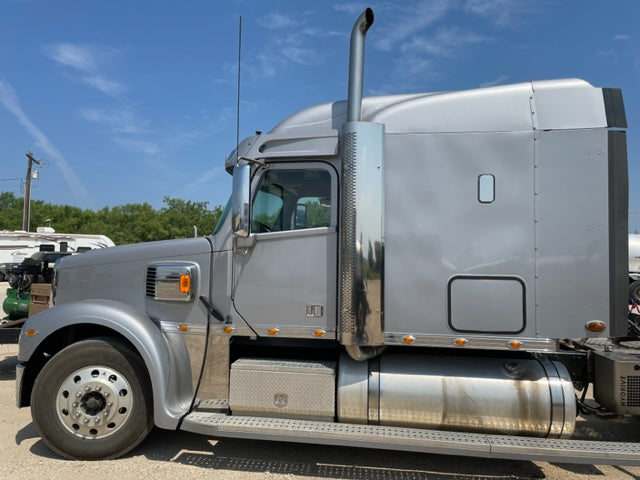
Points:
[(491, 395)]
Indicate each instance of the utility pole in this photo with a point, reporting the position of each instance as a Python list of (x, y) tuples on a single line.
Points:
[(26, 209)]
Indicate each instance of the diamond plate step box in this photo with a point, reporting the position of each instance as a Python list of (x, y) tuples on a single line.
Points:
[(293, 389)]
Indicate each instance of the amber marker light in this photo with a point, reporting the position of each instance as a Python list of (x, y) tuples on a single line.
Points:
[(460, 342), (30, 332), (229, 329), (408, 339), (185, 283), (596, 326), (319, 332), (183, 327), (515, 344), (272, 331)]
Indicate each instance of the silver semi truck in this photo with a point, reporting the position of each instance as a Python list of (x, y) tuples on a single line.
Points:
[(392, 272)]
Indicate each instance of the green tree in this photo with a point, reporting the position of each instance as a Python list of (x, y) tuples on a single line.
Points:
[(129, 223)]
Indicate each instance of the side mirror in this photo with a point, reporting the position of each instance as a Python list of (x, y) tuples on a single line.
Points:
[(301, 216), (240, 200)]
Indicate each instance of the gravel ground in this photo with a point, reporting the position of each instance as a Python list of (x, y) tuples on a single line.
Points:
[(170, 455)]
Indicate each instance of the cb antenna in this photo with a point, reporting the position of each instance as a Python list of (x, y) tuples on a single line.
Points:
[(238, 89)]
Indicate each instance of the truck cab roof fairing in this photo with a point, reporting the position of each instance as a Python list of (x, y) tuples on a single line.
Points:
[(489, 109)]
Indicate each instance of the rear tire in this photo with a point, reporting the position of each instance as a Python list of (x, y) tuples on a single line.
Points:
[(92, 400)]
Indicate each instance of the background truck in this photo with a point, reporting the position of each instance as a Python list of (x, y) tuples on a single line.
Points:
[(393, 272)]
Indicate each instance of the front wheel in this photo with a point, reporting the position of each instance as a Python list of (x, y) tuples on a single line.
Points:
[(92, 400)]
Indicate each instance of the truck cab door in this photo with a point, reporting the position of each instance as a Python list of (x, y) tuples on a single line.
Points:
[(285, 282)]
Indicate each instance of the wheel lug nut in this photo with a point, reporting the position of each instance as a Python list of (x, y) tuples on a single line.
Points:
[(79, 394), (106, 413), (74, 404), (109, 404), (97, 420), (77, 414), (98, 388), (106, 394), (86, 420)]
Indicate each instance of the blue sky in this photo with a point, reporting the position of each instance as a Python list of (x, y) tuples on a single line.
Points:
[(128, 101)]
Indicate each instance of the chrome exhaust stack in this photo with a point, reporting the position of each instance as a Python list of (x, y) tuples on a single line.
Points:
[(356, 65), (361, 240)]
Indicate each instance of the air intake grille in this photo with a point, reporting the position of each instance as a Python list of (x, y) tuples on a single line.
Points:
[(151, 282), (633, 391)]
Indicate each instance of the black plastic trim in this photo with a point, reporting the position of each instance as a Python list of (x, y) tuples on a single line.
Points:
[(614, 108), (618, 233), (488, 277)]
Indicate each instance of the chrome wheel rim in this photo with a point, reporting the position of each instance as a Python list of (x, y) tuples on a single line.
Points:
[(94, 402)]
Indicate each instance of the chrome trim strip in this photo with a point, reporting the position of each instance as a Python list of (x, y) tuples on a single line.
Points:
[(283, 331), (302, 232), (174, 327), (480, 342)]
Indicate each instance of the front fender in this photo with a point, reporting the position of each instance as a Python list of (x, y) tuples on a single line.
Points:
[(171, 396)]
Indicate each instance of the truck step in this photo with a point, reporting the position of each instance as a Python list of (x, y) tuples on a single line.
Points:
[(213, 406), (412, 439)]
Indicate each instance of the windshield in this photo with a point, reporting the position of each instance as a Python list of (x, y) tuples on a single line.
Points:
[(223, 217)]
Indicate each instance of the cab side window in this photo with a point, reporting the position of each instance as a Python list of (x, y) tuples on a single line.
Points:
[(292, 199)]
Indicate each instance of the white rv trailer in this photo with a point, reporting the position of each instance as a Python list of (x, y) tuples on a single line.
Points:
[(17, 245)]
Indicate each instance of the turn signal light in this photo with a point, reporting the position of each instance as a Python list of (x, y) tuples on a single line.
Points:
[(515, 344), (319, 332), (273, 331), (30, 332), (229, 329), (183, 327), (185, 283), (596, 326), (460, 342), (408, 339)]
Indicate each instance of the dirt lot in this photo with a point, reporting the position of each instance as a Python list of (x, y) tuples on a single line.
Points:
[(171, 455)]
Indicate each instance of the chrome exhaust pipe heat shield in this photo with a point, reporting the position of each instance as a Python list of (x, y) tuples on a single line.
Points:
[(361, 243)]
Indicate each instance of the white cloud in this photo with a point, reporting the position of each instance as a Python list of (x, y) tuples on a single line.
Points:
[(119, 121), (303, 56), (9, 99), (203, 179), (621, 36), (109, 87), (278, 20), (410, 20), (137, 145), (503, 13), (85, 59), (72, 56), (352, 8), (501, 79)]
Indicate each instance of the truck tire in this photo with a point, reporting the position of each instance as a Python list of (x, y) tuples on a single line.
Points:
[(634, 291), (92, 400)]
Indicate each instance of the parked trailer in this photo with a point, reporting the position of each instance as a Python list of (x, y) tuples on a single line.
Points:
[(392, 272), (17, 245)]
